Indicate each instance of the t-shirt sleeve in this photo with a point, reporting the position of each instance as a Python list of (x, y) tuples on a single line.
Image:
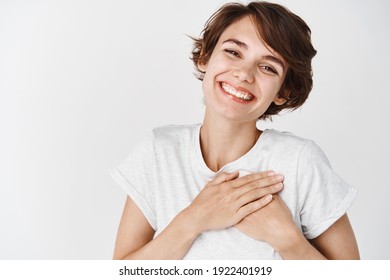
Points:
[(133, 175), (324, 196)]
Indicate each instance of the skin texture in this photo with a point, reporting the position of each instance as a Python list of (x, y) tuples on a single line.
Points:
[(249, 203)]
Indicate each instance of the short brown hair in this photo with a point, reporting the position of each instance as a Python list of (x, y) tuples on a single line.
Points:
[(281, 30)]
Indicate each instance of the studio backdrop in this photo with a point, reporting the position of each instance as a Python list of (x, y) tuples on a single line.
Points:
[(81, 82)]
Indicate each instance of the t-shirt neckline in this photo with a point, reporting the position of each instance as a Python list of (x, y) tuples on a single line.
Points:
[(231, 166)]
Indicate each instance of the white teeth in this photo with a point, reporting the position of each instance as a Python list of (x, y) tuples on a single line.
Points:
[(231, 90)]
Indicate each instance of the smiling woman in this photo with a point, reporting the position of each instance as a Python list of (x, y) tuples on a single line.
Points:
[(287, 38), (224, 189), (241, 63)]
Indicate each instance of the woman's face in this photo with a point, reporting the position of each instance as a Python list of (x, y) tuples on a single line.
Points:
[(243, 76)]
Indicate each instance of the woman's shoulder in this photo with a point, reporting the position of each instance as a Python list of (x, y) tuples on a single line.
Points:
[(288, 142), (173, 133), (175, 128), (285, 138)]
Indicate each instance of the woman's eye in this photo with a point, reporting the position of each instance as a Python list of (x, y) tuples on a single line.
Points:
[(232, 52), (269, 69)]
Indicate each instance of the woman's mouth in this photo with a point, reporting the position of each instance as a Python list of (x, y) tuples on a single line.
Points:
[(245, 96)]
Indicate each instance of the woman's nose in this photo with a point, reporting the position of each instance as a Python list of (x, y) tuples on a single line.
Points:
[(244, 73)]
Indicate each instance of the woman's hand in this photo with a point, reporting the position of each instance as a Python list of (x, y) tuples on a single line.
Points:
[(226, 200), (273, 224)]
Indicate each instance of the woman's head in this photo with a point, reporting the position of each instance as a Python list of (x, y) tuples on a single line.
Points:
[(284, 32)]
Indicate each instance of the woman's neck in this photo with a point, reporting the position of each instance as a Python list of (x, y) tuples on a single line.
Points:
[(223, 141)]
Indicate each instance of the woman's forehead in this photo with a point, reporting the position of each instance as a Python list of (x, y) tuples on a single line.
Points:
[(245, 33)]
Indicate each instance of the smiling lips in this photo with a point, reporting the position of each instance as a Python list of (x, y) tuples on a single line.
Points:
[(246, 96)]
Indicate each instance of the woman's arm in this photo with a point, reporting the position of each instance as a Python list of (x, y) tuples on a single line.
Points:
[(338, 241), (223, 202), (274, 224), (135, 237)]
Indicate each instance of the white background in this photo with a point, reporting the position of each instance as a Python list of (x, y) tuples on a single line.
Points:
[(81, 82)]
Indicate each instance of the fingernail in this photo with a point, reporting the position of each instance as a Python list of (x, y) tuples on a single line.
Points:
[(280, 176), (268, 197), (270, 173)]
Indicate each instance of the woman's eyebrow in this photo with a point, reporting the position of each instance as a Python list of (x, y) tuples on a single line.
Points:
[(237, 42), (274, 59)]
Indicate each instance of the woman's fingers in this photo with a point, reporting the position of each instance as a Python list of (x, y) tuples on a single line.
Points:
[(247, 188), (224, 177), (227, 199), (260, 183), (248, 179), (252, 207), (257, 193)]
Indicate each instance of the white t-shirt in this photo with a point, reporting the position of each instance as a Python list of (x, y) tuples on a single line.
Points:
[(166, 172)]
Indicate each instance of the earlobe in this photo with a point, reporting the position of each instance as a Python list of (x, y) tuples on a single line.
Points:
[(202, 62), (202, 66), (279, 100)]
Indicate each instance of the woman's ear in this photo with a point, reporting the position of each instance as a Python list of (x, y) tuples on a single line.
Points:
[(202, 62), (280, 99), (202, 65)]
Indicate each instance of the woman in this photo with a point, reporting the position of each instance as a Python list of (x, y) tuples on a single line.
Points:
[(224, 189)]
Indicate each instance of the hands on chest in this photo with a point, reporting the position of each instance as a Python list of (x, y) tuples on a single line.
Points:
[(250, 203)]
